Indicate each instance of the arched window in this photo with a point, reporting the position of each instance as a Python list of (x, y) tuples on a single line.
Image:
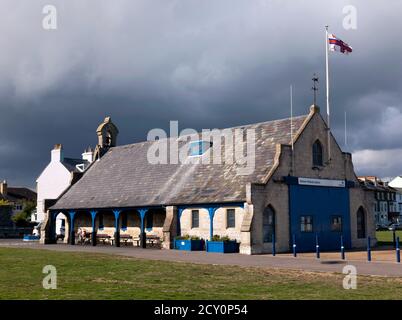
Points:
[(361, 223), (317, 154), (268, 224)]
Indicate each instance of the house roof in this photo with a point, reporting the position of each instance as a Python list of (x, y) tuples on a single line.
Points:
[(123, 177), (19, 193)]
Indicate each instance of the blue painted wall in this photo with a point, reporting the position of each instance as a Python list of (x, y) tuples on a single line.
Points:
[(321, 203)]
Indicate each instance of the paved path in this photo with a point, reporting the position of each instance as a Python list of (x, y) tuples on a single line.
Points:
[(306, 263)]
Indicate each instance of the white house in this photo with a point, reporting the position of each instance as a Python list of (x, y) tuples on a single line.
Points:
[(57, 177), (396, 183)]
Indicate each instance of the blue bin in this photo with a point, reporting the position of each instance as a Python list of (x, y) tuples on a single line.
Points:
[(222, 246), (189, 245)]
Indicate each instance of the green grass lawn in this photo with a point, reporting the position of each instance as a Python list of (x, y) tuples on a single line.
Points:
[(96, 276), (386, 237)]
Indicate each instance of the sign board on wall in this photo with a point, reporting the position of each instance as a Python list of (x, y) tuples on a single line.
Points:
[(322, 182)]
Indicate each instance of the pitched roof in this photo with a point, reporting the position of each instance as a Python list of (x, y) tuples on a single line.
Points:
[(19, 193), (123, 177)]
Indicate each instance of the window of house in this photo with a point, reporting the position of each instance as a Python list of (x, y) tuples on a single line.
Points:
[(317, 154), (268, 224), (195, 219), (230, 218), (306, 224), (198, 148), (336, 224)]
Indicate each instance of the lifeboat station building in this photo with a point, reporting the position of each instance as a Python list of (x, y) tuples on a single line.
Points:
[(302, 188)]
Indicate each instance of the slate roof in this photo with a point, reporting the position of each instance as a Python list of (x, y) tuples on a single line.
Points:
[(19, 193), (123, 177)]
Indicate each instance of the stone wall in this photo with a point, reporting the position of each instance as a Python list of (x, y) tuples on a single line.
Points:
[(219, 223)]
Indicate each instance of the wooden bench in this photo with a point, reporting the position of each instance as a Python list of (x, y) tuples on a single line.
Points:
[(103, 237), (151, 239)]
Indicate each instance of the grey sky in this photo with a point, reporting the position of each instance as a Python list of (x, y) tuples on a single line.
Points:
[(205, 63)]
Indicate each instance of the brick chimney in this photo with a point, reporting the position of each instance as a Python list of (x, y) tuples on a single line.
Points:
[(3, 188), (57, 153)]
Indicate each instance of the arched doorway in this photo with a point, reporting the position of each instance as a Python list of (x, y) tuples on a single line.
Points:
[(61, 226), (268, 224), (361, 223)]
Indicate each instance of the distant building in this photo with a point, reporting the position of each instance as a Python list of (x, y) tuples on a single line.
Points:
[(58, 175), (396, 183), (388, 201), (17, 197)]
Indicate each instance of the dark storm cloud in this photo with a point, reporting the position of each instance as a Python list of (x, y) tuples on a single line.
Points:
[(204, 63)]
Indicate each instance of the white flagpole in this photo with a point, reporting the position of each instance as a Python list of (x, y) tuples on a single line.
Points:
[(291, 114), (291, 126), (327, 82)]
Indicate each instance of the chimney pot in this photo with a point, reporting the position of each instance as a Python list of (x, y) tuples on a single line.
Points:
[(3, 188)]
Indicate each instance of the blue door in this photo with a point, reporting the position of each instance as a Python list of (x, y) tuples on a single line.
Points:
[(322, 212)]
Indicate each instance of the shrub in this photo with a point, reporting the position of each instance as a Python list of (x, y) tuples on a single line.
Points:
[(187, 237), (219, 238)]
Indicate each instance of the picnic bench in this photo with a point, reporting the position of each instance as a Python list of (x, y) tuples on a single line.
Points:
[(103, 237), (125, 238), (150, 238), (153, 240)]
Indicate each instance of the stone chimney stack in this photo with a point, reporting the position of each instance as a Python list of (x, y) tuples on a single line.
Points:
[(57, 153), (3, 188), (88, 155)]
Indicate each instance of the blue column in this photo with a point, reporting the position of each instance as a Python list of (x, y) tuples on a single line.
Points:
[(93, 215), (317, 247), (211, 211), (368, 249), (398, 252), (143, 212), (273, 245), (117, 227), (72, 232), (294, 246), (342, 249)]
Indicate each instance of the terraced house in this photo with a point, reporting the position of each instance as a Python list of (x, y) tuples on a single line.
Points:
[(302, 188)]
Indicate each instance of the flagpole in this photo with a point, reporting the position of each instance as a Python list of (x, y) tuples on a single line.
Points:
[(291, 126), (327, 84)]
